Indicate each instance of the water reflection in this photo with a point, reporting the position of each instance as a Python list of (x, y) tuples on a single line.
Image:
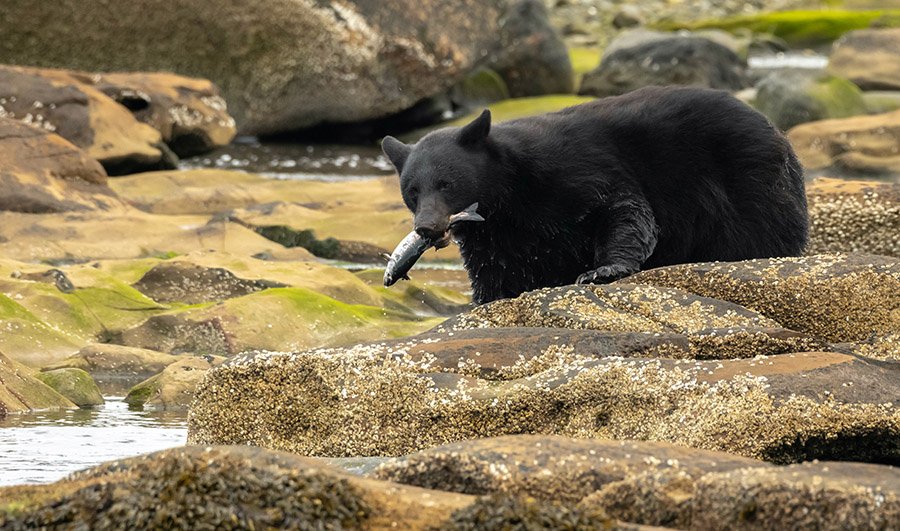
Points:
[(45, 446)]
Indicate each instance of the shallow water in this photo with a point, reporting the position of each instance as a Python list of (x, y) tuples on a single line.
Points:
[(304, 162), (42, 447)]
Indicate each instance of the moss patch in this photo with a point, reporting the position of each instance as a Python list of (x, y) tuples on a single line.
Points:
[(798, 27), (74, 384)]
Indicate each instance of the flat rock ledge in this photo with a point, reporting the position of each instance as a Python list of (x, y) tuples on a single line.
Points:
[(516, 482)]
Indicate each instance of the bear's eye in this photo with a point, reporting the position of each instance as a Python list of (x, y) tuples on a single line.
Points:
[(443, 186)]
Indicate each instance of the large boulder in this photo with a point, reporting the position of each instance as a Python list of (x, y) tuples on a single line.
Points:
[(40, 172), (853, 217), (296, 64), (861, 144), (66, 103), (837, 297), (792, 99), (870, 58), (674, 60)]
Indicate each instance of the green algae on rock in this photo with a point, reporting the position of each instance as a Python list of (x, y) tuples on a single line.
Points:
[(74, 384), (840, 297), (798, 28)]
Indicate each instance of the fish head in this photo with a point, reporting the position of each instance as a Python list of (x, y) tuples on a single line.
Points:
[(444, 173)]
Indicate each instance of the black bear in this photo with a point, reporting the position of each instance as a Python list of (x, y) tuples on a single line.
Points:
[(596, 192)]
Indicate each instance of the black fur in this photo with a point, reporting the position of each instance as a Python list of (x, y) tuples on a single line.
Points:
[(602, 190)]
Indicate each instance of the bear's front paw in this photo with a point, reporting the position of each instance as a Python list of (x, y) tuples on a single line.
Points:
[(604, 274)]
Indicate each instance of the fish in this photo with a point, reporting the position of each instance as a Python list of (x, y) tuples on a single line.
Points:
[(414, 245)]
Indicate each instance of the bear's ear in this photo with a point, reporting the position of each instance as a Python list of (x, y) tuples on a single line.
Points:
[(396, 151), (476, 131)]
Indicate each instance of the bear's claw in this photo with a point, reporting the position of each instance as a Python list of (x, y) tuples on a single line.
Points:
[(604, 275)]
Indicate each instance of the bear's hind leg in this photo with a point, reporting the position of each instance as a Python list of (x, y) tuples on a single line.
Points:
[(624, 244)]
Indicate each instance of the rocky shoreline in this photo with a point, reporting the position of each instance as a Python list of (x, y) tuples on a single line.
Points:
[(762, 394)]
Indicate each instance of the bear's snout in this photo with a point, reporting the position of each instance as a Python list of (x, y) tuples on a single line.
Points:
[(431, 232)]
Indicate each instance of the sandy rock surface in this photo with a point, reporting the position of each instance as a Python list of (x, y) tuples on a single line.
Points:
[(44, 173)]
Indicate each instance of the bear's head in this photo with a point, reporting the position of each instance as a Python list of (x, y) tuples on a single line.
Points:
[(444, 173)]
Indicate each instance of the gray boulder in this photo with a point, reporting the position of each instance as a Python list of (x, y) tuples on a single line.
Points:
[(291, 65), (672, 60)]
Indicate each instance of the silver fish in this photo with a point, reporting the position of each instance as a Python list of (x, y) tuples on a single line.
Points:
[(414, 246)]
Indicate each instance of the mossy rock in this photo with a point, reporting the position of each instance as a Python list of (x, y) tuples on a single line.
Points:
[(74, 384), (798, 28), (790, 100), (880, 101), (480, 87)]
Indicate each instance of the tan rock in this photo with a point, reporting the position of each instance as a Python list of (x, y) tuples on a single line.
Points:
[(190, 113), (124, 235), (836, 297), (21, 391), (66, 103), (865, 144), (370, 211), (173, 388), (853, 217), (377, 400), (42, 172), (870, 58)]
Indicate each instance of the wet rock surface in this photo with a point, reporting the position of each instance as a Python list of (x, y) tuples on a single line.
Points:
[(794, 98), (785, 408), (190, 113), (193, 284), (44, 173)]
